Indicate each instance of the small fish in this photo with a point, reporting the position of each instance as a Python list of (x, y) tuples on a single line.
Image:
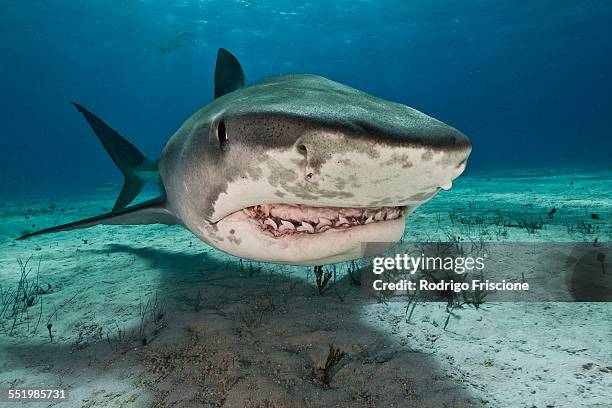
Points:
[(176, 42)]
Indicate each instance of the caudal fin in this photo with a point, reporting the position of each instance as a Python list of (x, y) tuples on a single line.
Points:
[(162, 50), (136, 168)]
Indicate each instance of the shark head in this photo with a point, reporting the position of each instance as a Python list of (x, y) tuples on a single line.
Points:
[(299, 169)]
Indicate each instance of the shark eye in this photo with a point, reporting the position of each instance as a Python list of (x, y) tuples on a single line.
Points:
[(221, 134)]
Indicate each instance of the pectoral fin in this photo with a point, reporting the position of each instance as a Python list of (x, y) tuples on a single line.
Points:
[(148, 212)]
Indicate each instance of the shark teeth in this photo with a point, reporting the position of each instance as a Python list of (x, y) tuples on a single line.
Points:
[(306, 227), (324, 221), (286, 226), (271, 223), (391, 215), (284, 219), (262, 209), (341, 221)]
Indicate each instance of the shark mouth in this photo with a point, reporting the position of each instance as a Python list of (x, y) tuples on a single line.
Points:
[(282, 219)]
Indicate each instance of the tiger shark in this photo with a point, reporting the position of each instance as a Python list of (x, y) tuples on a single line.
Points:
[(176, 42), (294, 169)]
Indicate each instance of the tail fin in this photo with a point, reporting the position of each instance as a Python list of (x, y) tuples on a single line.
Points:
[(148, 212), (163, 50), (136, 168)]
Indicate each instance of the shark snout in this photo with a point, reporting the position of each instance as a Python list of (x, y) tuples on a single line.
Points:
[(428, 134), (439, 137), (445, 153), (425, 145), (443, 148), (368, 165), (453, 144)]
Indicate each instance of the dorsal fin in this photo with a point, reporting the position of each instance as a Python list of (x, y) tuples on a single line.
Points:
[(228, 73)]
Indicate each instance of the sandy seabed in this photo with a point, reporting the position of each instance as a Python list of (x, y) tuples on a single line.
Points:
[(150, 316)]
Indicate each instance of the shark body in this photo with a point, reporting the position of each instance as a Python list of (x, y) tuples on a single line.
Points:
[(294, 169), (176, 42)]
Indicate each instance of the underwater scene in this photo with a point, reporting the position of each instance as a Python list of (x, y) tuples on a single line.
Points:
[(273, 204)]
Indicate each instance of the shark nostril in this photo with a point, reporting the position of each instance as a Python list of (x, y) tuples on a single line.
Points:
[(309, 171)]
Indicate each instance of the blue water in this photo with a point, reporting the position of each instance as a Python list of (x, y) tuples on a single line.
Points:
[(529, 82)]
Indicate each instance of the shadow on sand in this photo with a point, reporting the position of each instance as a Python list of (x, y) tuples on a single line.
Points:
[(239, 339)]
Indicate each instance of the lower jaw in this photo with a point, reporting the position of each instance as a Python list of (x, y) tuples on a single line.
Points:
[(248, 241)]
